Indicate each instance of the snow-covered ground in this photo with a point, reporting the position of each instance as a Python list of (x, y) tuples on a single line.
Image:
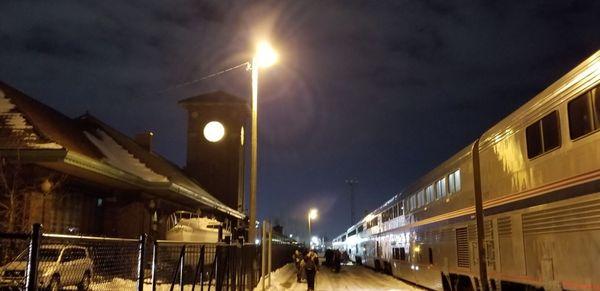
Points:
[(349, 278)]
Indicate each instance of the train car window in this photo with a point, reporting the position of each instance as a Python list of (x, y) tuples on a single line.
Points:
[(543, 135), (533, 135), (580, 115), (596, 98), (441, 187), (430, 256), (551, 131), (402, 254), (454, 182)]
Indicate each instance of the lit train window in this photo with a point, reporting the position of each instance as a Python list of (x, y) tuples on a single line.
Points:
[(441, 187), (543, 135), (454, 182), (430, 193), (584, 114)]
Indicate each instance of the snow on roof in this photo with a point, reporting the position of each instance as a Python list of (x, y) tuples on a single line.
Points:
[(17, 132), (120, 158)]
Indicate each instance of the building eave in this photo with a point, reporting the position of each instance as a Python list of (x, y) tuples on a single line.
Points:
[(98, 167)]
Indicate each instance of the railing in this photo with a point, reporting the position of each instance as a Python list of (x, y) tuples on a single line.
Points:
[(29, 261)]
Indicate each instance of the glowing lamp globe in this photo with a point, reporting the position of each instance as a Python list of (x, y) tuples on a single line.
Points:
[(265, 55), (214, 131), (312, 214)]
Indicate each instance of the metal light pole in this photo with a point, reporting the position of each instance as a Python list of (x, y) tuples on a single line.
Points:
[(312, 214), (265, 56), (351, 183)]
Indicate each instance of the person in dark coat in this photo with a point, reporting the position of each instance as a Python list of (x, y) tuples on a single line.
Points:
[(337, 261), (311, 266), (297, 257)]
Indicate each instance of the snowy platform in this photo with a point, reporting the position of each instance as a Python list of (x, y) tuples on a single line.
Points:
[(349, 278)]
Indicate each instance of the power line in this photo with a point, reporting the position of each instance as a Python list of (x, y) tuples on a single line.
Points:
[(246, 64)]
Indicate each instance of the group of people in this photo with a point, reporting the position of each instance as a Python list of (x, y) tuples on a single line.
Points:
[(306, 266), (335, 258)]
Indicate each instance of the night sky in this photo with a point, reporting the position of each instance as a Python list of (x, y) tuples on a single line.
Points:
[(381, 91)]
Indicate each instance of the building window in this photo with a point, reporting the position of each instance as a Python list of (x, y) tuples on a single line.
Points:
[(584, 114), (454, 182), (543, 135)]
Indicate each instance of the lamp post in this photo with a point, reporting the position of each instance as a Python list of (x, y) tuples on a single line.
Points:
[(312, 214), (265, 56)]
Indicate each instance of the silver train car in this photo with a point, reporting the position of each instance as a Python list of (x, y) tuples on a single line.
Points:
[(518, 209)]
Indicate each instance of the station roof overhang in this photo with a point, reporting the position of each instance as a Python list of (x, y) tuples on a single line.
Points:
[(93, 170)]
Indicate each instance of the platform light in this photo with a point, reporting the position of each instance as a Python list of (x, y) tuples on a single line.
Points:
[(313, 214), (265, 55)]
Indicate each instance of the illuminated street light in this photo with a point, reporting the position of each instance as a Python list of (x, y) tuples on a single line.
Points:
[(312, 215), (265, 56)]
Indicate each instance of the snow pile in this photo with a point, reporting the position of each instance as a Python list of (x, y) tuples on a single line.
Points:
[(20, 129), (279, 278), (119, 157), (128, 284)]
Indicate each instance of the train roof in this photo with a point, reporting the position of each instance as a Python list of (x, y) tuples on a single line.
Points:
[(442, 169), (576, 81)]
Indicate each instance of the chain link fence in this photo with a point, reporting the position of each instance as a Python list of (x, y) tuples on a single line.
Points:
[(36, 261), (86, 263), (14, 256)]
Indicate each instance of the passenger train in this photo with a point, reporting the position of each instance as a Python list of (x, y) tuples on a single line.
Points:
[(517, 209)]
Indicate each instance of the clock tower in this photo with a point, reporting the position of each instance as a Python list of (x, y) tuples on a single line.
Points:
[(215, 145)]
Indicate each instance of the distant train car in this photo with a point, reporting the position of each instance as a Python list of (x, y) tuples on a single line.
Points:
[(518, 209)]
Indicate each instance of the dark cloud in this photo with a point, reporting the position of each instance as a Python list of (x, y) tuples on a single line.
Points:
[(379, 90)]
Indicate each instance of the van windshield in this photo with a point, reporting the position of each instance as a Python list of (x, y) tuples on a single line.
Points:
[(46, 255)]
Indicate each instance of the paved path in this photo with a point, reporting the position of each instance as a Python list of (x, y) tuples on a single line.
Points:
[(350, 278)]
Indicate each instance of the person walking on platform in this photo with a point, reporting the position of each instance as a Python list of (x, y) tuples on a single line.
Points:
[(337, 259), (297, 257), (311, 266)]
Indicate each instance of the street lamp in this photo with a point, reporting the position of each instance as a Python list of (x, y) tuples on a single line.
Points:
[(265, 56), (312, 215)]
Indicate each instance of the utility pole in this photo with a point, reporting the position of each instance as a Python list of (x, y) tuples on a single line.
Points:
[(351, 182)]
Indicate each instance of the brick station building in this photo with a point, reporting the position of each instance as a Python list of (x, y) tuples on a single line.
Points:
[(82, 176)]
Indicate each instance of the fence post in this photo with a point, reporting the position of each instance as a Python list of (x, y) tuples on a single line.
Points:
[(181, 267), (263, 255), (141, 261), (34, 251), (270, 257), (154, 263)]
